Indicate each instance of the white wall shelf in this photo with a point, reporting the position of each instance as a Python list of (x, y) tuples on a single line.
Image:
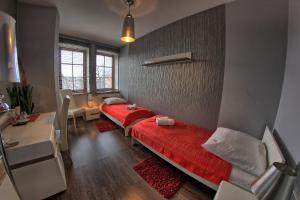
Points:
[(181, 57)]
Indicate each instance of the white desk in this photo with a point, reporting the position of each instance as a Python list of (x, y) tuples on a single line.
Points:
[(7, 190), (35, 163), (228, 191)]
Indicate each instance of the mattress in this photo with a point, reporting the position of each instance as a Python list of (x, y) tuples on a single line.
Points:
[(182, 144), (241, 178), (125, 116)]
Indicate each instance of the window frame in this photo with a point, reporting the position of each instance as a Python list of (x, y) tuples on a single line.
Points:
[(84, 65), (105, 90)]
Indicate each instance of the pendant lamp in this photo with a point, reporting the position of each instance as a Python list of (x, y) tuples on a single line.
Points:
[(128, 25)]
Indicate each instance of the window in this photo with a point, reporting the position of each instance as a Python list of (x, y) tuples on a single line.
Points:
[(73, 69), (104, 72), (86, 67)]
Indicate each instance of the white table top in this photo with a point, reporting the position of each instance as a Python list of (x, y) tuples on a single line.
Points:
[(228, 191), (31, 133), (36, 139)]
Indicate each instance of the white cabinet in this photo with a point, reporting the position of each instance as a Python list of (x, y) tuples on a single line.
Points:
[(35, 163), (7, 190), (91, 113)]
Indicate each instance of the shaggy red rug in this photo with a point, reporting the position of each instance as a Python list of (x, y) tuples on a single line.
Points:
[(106, 125), (162, 176)]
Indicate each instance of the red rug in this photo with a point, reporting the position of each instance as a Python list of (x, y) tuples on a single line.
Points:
[(162, 176), (106, 125)]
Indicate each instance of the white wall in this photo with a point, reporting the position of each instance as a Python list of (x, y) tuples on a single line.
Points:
[(256, 37), (37, 42), (81, 99), (288, 117), (9, 6)]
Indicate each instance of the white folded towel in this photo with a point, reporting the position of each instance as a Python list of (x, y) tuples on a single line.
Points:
[(165, 121), (131, 106)]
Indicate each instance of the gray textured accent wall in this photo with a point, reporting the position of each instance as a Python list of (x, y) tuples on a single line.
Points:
[(37, 43), (288, 117), (187, 91), (256, 38), (124, 71)]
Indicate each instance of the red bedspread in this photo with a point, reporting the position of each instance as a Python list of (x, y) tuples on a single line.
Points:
[(125, 116), (182, 144)]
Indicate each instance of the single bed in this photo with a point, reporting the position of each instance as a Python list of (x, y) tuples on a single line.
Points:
[(122, 116), (180, 145)]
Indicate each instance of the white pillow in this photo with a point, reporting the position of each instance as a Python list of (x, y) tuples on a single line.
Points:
[(240, 149), (114, 100)]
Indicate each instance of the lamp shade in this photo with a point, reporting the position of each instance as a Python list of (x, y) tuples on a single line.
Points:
[(9, 67), (128, 29)]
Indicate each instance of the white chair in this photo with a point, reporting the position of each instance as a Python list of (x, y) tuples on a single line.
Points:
[(74, 110), (62, 133)]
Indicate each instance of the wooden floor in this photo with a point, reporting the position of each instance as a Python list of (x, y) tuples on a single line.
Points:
[(102, 169)]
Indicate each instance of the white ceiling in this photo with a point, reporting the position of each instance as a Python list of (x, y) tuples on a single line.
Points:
[(101, 20)]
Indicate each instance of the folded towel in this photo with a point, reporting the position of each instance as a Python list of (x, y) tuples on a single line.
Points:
[(165, 121), (131, 106)]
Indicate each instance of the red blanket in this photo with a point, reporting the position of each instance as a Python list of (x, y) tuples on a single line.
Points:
[(125, 116), (182, 144)]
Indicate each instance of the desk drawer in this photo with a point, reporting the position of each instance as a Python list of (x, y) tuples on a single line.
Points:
[(40, 180), (25, 154), (92, 115)]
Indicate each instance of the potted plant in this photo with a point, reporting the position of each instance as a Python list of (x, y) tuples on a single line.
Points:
[(21, 95)]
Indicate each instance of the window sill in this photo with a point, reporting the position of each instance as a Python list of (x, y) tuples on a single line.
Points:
[(80, 93), (98, 92), (108, 92)]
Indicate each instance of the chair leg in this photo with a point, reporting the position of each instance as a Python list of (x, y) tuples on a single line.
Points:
[(74, 120)]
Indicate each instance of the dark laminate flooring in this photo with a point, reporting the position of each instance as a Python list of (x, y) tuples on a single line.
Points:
[(102, 169)]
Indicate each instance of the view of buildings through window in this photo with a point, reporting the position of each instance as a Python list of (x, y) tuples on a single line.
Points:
[(104, 72), (74, 71)]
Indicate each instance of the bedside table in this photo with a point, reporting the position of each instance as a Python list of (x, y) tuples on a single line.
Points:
[(228, 191), (91, 113)]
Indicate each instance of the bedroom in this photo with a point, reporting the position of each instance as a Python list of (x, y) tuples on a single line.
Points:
[(226, 63)]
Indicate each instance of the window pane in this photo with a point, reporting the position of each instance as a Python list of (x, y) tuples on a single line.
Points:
[(108, 72), (78, 83), (99, 71), (67, 83), (100, 60), (66, 56), (66, 70), (108, 82), (77, 57), (108, 61), (100, 83), (77, 70)]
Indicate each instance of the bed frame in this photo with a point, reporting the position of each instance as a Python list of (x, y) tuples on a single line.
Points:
[(127, 128), (273, 150)]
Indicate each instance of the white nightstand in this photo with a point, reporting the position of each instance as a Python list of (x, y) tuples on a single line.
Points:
[(228, 191), (91, 113)]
